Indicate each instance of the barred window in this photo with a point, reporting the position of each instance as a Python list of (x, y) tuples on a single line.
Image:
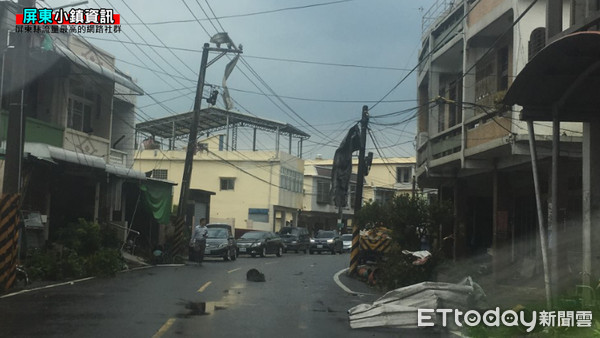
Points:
[(227, 183), (291, 180), (323, 188), (161, 174), (403, 174)]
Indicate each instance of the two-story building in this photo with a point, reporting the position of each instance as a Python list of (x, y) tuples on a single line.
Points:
[(78, 111), (249, 189), (387, 178)]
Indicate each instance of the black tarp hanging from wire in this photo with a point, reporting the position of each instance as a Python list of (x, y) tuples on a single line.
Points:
[(342, 167)]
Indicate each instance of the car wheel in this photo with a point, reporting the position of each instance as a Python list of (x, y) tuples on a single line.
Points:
[(311, 252), (296, 251), (263, 253), (279, 252), (305, 251), (253, 255), (333, 251)]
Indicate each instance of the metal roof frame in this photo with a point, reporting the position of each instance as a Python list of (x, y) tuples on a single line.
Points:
[(214, 119)]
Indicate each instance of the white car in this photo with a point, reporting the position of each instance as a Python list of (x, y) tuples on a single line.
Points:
[(347, 242)]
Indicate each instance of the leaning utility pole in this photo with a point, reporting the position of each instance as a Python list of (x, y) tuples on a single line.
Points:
[(15, 136), (360, 177), (219, 39), (191, 146)]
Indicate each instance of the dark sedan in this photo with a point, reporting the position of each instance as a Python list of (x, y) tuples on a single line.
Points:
[(220, 243), (326, 240), (260, 243)]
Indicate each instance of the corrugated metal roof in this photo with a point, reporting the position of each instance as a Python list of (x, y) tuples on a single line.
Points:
[(213, 119)]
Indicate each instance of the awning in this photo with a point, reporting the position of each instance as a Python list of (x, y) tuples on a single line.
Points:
[(125, 172), (50, 153), (564, 75), (103, 71)]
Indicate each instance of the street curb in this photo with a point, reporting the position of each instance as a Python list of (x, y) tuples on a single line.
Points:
[(67, 283), (47, 287), (336, 279)]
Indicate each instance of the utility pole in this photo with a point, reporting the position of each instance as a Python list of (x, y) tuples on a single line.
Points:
[(360, 177), (191, 146), (15, 137), (219, 39)]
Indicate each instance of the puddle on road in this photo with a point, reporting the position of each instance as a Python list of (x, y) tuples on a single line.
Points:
[(230, 298), (201, 308)]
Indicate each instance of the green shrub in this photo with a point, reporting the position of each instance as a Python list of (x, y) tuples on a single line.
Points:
[(80, 249), (413, 221), (83, 237), (104, 263), (398, 270)]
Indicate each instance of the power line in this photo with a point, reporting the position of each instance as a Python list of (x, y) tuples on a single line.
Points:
[(310, 62), (427, 56), (243, 15), (263, 82)]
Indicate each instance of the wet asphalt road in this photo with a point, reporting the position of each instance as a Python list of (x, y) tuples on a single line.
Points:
[(298, 299)]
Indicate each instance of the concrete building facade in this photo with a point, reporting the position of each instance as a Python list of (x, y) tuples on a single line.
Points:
[(473, 148), (253, 190)]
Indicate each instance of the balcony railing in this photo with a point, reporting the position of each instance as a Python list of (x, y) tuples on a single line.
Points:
[(35, 131), (85, 143), (439, 9), (117, 157)]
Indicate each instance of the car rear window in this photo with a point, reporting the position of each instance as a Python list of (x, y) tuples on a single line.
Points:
[(253, 235), (325, 234), (217, 233)]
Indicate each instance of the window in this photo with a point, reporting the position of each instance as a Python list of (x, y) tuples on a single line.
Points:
[(80, 107), (441, 113), (161, 174), (227, 183), (485, 80), (383, 196), (455, 109), (537, 41), (323, 188), (291, 180), (403, 174)]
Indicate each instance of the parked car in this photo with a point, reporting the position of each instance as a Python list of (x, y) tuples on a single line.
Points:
[(295, 238), (260, 243), (326, 240), (220, 242), (346, 242)]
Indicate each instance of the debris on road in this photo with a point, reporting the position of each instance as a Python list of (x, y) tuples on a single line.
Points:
[(398, 308), (254, 275)]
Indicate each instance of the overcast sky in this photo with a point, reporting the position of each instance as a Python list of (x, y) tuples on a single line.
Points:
[(325, 59)]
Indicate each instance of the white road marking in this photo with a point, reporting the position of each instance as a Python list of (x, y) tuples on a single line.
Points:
[(203, 287), (163, 329), (336, 279)]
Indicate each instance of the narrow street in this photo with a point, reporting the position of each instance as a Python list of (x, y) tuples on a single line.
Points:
[(299, 299)]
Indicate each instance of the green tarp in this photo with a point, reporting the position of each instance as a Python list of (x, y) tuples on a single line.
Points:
[(157, 197)]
